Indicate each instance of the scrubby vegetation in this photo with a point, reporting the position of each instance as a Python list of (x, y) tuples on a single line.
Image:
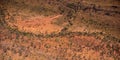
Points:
[(90, 31)]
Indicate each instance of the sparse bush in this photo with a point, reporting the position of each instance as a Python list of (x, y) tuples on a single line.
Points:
[(57, 39)]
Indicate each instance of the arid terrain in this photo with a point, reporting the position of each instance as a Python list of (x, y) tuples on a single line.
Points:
[(59, 29)]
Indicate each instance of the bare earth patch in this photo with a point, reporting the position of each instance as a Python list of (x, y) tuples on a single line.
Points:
[(38, 24)]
